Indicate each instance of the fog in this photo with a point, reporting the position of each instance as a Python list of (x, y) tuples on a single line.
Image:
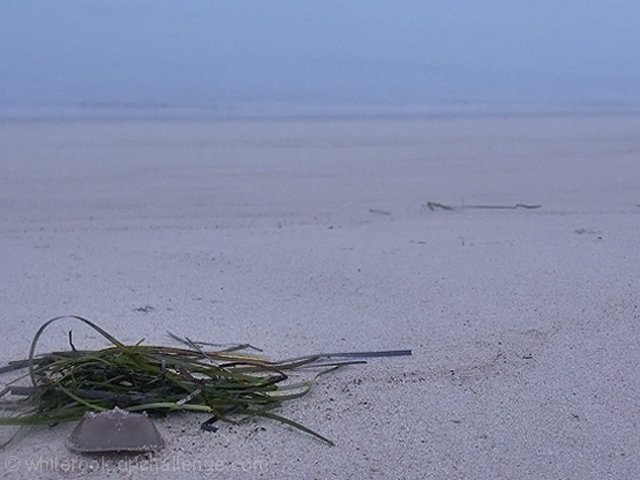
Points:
[(321, 56)]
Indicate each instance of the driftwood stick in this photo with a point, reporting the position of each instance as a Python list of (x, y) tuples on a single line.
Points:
[(441, 206)]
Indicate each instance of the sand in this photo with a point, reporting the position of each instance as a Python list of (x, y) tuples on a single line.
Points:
[(309, 235)]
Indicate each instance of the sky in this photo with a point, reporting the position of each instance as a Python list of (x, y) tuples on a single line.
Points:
[(356, 56)]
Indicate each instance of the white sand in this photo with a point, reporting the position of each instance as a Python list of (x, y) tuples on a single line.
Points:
[(313, 235)]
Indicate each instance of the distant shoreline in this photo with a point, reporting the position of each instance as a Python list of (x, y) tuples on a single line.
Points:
[(170, 113)]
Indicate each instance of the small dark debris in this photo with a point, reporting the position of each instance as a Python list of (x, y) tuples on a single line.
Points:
[(379, 212), (208, 425), (145, 309), (435, 205)]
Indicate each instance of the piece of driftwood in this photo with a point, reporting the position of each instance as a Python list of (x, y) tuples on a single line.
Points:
[(433, 206)]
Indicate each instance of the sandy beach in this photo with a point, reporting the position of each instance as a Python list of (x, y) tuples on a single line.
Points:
[(314, 235)]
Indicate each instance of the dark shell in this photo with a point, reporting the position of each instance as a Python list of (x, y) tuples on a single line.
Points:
[(115, 431)]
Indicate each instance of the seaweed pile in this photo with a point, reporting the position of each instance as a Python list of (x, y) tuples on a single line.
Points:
[(232, 384)]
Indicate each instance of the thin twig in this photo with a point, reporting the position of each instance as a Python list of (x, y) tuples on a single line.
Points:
[(441, 206)]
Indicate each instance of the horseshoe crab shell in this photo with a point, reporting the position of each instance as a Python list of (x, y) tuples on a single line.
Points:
[(114, 431)]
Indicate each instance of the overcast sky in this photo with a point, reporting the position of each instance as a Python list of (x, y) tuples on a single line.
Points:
[(299, 54)]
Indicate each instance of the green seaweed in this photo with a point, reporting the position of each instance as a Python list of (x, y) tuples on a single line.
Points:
[(228, 384)]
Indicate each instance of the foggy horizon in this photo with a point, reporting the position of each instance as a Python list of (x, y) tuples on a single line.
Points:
[(287, 57)]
